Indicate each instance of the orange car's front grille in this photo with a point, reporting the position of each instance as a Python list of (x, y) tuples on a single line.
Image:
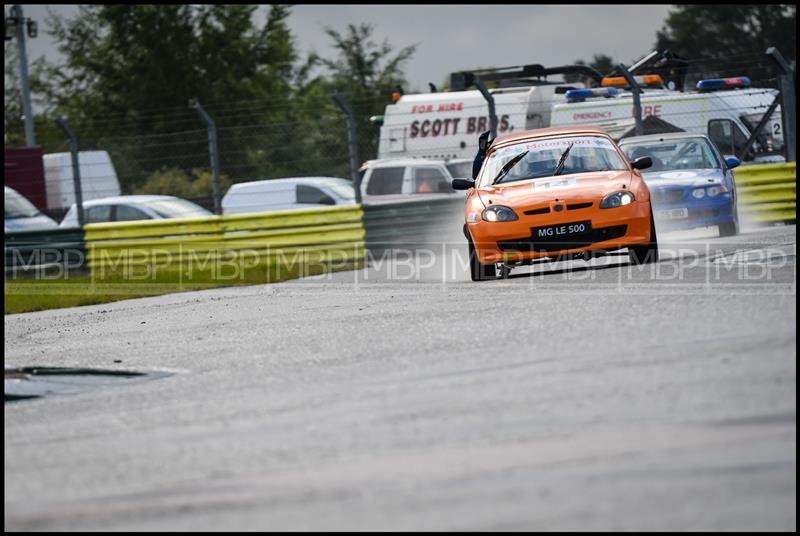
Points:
[(535, 211)]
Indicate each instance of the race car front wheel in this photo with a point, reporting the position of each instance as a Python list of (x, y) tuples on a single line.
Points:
[(646, 253), (730, 228), (478, 271)]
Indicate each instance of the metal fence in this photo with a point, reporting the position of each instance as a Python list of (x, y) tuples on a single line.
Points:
[(167, 151)]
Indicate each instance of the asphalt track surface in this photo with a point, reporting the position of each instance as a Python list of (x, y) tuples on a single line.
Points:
[(568, 396)]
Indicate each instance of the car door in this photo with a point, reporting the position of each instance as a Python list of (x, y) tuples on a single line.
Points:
[(430, 180), (312, 196)]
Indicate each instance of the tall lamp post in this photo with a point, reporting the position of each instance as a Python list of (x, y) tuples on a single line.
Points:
[(17, 26)]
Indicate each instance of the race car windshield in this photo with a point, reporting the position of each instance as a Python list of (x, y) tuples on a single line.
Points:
[(542, 157), (687, 153)]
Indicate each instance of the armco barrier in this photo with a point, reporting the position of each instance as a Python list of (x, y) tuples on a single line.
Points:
[(334, 234), (417, 221), (58, 248), (767, 192)]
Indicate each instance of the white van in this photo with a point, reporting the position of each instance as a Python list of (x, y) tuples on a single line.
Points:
[(728, 117), (447, 125), (98, 177), (407, 176), (283, 194)]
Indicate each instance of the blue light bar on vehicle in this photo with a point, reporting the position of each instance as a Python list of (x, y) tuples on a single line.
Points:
[(581, 94), (723, 83)]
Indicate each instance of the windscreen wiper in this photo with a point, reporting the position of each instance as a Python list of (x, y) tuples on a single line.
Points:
[(510, 164), (563, 159)]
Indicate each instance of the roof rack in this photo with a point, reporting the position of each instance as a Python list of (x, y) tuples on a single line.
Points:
[(671, 67), (459, 81)]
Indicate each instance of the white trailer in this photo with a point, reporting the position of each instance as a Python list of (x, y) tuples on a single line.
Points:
[(98, 177)]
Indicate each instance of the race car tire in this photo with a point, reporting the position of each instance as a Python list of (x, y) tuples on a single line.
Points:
[(478, 271), (728, 229), (731, 228), (646, 253)]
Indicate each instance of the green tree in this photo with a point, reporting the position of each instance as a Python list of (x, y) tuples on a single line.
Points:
[(194, 184), (12, 99), (132, 70), (737, 33), (365, 72)]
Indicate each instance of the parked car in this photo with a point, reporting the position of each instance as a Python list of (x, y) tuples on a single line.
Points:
[(22, 215), (407, 176), (134, 207), (282, 194), (691, 184), (556, 192), (459, 168)]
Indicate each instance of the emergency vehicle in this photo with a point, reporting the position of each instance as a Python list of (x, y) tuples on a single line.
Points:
[(446, 125), (727, 110)]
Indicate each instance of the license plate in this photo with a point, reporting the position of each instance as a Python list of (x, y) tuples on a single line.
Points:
[(563, 230), (673, 214)]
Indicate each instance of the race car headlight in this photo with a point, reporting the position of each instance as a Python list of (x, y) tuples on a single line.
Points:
[(699, 193), (713, 191), (617, 199), (499, 213)]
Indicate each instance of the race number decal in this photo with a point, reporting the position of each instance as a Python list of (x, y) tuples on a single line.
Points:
[(546, 186)]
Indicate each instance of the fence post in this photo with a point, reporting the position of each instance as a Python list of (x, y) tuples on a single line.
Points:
[(22, 25), (637, 103), (76, 168), (352, 141), (788, 118), (490, 101), (213, 151)]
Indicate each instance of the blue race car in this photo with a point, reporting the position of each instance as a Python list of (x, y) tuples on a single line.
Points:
[(691, 184)]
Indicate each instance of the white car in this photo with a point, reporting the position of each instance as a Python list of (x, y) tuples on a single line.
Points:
[(134, 207), (22, 215), (406, 176), (282, 194)]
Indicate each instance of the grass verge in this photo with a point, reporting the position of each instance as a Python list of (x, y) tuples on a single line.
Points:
[(26, 294)]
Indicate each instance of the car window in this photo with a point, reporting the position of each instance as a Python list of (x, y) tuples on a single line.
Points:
[(311, 195), (726, 136), (128, 213), (460, 170), (430, 180), (675, 153), (98, 214), (385, 181), (588, 154)]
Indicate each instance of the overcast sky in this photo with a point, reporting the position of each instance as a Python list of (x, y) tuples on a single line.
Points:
[(453, 37)]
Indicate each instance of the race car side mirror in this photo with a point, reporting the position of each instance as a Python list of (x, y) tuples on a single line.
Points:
[(462, 184), (643, 162), (732, 162)]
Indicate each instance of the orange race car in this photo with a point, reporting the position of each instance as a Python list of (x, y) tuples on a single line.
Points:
[(556, 192)]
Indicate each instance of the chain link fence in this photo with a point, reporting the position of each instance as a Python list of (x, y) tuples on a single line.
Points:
[(166, 151)]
